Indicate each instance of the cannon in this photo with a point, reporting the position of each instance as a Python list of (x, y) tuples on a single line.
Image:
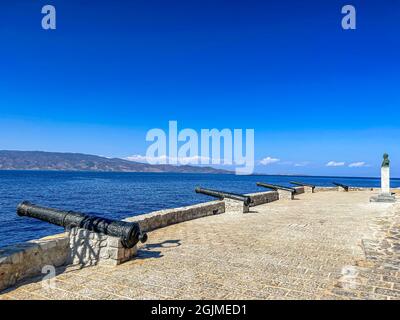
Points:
[(302, 184), (346, 188), (222, 194), (275, 187), (129, 232)]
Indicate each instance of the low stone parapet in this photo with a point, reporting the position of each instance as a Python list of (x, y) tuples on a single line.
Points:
[(270, 196), (162, 218), (362, 189), (323, 189), (263, 197), (299, 190), (27, 259)]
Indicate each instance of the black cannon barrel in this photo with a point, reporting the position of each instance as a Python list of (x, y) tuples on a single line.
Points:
[(275, 187), (223, 194), (128, 232), (302, 184), (341, 185)]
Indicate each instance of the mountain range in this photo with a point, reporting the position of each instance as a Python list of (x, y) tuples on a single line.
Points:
[(40, 160)]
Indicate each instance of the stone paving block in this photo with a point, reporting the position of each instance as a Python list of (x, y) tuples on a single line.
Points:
[(299, 295), (388, 292)]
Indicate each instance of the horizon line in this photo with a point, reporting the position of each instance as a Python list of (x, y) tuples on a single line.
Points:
[(200, 173)]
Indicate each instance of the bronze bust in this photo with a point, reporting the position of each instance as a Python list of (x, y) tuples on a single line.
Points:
[(385, 162)]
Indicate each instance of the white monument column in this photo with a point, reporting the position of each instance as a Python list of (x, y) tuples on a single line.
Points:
[(385, 180), (385, 194)]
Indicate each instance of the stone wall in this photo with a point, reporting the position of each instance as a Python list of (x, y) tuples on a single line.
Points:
[(159, 219), (263, 197), (27, 259), (322, 189), (257, 198), (361, 189), (299, 190)]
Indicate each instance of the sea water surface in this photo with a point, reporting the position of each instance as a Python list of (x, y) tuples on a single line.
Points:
[(120, 195)]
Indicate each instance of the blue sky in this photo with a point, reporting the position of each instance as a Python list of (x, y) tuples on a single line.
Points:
[(313, 92)]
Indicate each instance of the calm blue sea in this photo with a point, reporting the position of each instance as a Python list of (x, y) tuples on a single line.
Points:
[(120, 195)]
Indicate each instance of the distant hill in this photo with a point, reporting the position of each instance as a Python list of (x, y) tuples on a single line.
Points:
[(40, 160)]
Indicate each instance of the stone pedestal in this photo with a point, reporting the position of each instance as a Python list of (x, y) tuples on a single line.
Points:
[(258, 198), (235, 206), (89, 248), (385, 195), (283, 194)]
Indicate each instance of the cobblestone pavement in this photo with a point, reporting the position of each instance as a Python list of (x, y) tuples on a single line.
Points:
[(327, 245)]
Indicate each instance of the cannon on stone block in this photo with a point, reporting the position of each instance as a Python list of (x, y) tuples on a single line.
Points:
[(307, 187), (340, 185), (284, 192), (222, 195), (233, 201), (128, 232), (275, 187)]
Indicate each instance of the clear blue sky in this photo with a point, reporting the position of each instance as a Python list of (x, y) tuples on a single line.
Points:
[(112, 70)]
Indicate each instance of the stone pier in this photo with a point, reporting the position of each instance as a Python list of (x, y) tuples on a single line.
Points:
[(323, 245)]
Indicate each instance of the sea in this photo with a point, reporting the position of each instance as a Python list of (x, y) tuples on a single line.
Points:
[(120, 195)]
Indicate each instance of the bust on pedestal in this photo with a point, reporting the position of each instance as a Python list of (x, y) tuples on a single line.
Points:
[(385, 195)]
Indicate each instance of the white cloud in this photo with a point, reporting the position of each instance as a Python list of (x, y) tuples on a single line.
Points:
[(285, 163), (268, 160), (358, 164), (301, 164), (335, 164), (164, 159), (137, 158)]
